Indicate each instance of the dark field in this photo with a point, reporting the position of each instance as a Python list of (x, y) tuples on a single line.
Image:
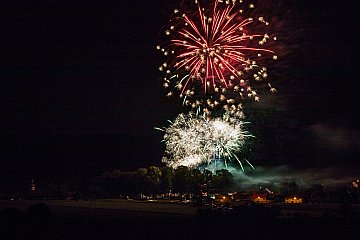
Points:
[(122, 219)]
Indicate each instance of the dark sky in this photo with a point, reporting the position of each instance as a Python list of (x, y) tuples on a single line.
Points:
[(80, 92)]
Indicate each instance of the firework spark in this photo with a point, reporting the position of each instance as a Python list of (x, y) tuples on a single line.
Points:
[(218, 49), (193, 140)]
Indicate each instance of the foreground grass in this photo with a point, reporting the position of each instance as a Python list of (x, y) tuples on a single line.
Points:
[(110, 204)]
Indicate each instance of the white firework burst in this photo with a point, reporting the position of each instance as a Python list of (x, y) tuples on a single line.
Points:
[(193, 140)]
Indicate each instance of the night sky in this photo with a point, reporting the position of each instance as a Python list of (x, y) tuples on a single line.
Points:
[(80, 91)]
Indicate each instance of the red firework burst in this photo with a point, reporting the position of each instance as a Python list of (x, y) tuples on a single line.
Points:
[(216, 49)]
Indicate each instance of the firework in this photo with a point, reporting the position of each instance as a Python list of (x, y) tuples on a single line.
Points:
[(214, 51), (193, 140)]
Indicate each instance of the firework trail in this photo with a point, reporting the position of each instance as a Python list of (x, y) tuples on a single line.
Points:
[(193, 140), (214, 51)]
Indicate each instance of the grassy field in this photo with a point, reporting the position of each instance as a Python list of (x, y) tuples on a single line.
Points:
[(129, 219), (130, 205), (108, 205)]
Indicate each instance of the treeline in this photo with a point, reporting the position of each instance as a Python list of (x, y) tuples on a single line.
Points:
[(148, 181), (153, 181), (160, 180)]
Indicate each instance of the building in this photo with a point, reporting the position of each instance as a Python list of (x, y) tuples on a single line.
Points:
[(293, 200), (259, 198), (222, 198), (32, 186)]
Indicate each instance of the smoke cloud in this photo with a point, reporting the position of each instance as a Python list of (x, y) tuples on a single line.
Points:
[(274, 177)]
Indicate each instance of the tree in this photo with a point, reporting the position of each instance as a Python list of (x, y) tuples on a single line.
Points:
[(317, 193), (153, 179), (223, 180), (140, 180), (195, 180), (167, 179), (289, 188), (182, 176), (207, 177)]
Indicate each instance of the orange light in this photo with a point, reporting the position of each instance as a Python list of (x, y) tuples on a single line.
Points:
[(295, 198)]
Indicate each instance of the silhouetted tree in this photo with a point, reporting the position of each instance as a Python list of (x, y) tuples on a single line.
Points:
[(167, 179), (182, 178), (207, 179), (317, 193), (196, 180), (153, 176), (222, 180), (289, 188), (207, 175), (140, 180)]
